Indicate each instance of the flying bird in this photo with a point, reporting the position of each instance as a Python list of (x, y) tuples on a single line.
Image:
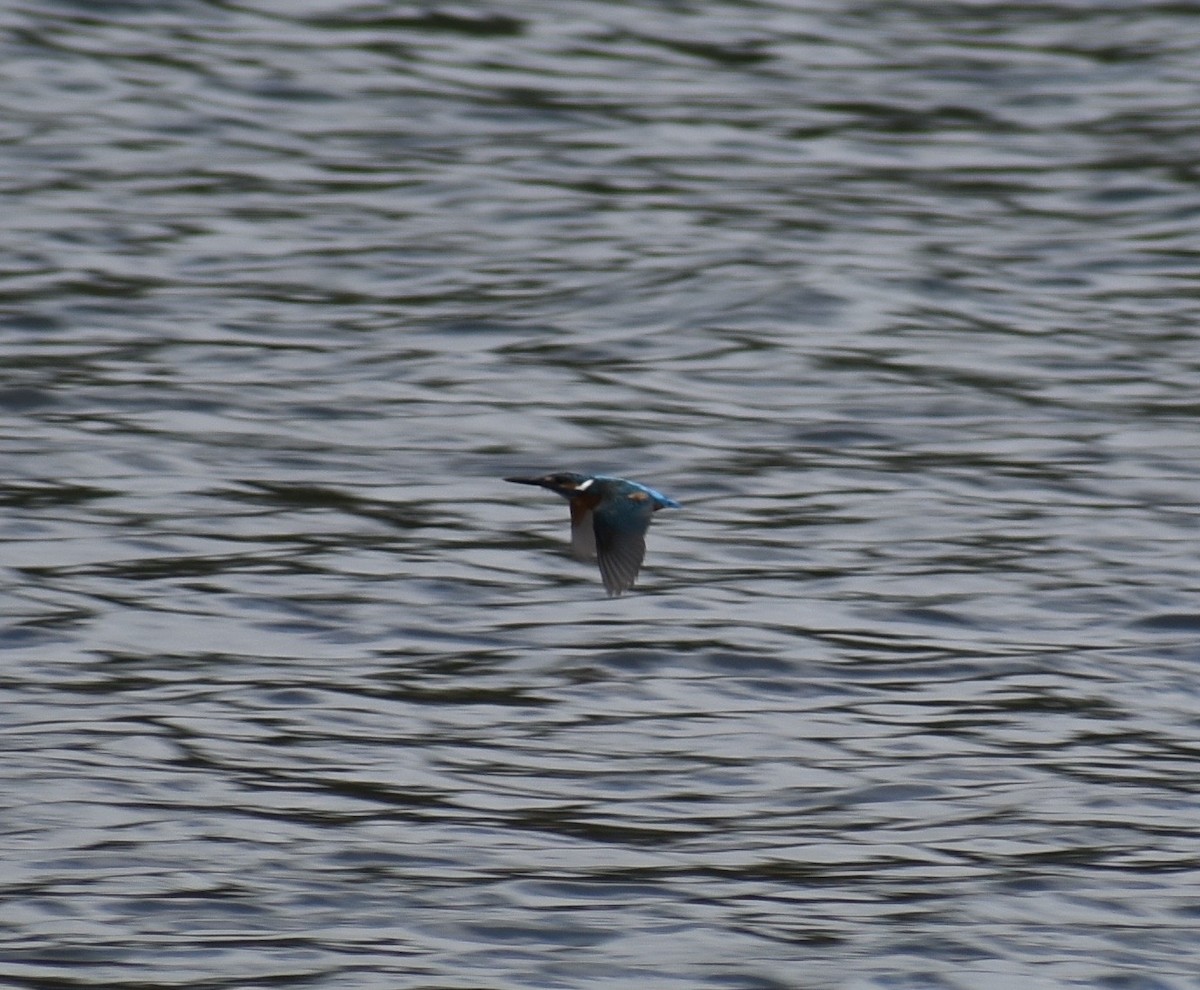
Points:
[(609, 519)]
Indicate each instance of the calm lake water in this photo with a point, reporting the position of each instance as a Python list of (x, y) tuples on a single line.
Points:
[(900, 300)]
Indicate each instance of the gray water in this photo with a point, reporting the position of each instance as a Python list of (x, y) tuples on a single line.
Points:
[(899, 299)]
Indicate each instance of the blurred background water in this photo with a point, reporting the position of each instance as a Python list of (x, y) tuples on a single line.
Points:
[(899, 299)]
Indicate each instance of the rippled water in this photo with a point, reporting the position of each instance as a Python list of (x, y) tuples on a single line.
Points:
[(899, 299)]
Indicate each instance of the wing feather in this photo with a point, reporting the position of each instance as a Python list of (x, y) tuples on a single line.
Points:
[(583, 529), (620, 531)]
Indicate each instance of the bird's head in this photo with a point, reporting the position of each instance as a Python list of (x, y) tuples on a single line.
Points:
[(565, 483)]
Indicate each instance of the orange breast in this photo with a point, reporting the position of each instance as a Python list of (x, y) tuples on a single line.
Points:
[(581, 505)]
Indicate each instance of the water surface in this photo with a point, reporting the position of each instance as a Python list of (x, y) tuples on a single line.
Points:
[(898, 299)]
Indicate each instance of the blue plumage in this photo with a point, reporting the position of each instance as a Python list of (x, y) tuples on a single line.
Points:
[(609, 519)]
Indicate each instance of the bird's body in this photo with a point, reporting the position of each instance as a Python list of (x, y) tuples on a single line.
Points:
[(609, 519)]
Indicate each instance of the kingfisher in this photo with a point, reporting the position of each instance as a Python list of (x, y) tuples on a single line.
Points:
[(609, 519)]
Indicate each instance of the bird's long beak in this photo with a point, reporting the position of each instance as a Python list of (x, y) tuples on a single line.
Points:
[(527, 481)]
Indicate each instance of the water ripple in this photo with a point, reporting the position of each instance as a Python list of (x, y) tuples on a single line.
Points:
[(894, 298)]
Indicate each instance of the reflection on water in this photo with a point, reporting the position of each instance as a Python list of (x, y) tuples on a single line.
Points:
[(296, 690)]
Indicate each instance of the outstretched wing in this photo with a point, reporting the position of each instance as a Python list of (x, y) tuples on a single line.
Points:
[(583, 530), (620, 528)]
